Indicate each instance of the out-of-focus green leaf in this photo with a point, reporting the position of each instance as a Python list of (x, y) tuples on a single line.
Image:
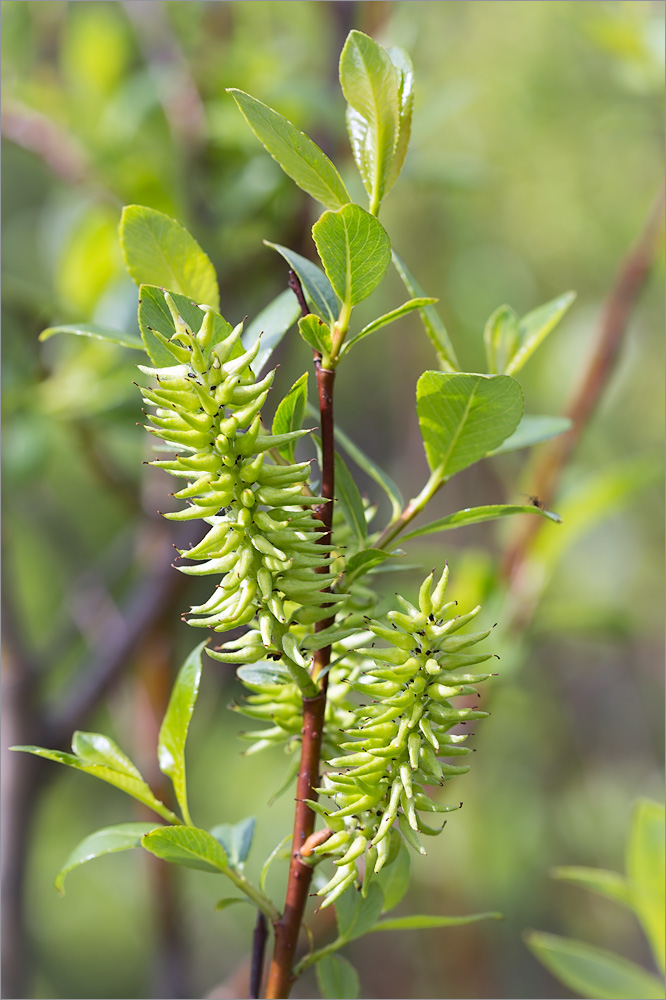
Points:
[(362, 562), (384, 320), (593, 972), (97, 332), (159, 251), (176, 722), (463, 417), (372, 469), (430, 318), (262, 673), (355, 250), (645, 871), (223, 904), (315, 333), (501, 337), (350, 500), (337, 978), (475, 515), (355, 915), (424, 922), (605, 883), (300, 158), (272, 323), (405, 73), (535, 327), (122, 837), (316, 286), (236, 839), (154, 315), (533, 430), (187, 846), (275, 853), (394, 878), (289, 414)]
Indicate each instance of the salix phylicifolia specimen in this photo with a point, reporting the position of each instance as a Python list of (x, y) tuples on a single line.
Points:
[(331, 671)]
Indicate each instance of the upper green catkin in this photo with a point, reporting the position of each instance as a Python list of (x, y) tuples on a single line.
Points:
[(397, 738), (263, 540)]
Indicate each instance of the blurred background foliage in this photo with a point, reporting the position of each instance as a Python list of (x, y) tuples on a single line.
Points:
[(536, 154)]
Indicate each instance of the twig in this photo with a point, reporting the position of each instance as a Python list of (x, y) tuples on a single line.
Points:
[(258, 951)]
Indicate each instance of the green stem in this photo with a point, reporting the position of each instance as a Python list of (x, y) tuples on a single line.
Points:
[(316, 956), (257, 897), (414, 507)]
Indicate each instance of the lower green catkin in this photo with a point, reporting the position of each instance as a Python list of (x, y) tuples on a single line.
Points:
[(263, 540), (396, 741)]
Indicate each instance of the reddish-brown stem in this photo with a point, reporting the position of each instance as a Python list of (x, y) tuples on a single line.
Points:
[(300, 874)]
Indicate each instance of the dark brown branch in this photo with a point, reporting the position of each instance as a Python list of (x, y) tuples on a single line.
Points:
[(258, 951)]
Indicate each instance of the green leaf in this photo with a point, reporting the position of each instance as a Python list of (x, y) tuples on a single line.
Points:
[(355, 250), (95, 748), (389, 317), (261, 673), (371, 469), (535, 327), (300, 158), (271, 858), (290, 413), (405, 73), (315, 333), (337, 978), (369, 81), (272, 323), (122, 837), (349, 498), (394, 878), (645, 871), (97, 332), (236, 840), (188, 846), (501, 337), (463, 417), (533, 430), (154, 315), (176, 722), (605, 883), (159, 251), (316, 286), (430, 318), (475, 515), (425, 922), (126, 779), (362, 562), (223, 904), (357, 916), (593, 972)]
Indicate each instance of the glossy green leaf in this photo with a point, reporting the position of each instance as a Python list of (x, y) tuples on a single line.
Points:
[(372, 469), (605, 883), (337, 978), (533, 430), (535, 327), (645, 871), (97, 332), (127, 780), (122, 837), (426, 922), (432, 321), (271, 323), (236, 839), (369, 81), (187, 846), (159, 251), (154, 315), (463, 417), (349, 498), (290, 413), (316, 286), (405, 73), (300, 157), (593, 972), (315, 333), (394, 878), (475, 515), (355, 250), (176, 722), (362, 562), (95, 748), (384, 320)]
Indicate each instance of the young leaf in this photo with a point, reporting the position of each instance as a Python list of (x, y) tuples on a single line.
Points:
[(501, 337), (384, 320), (154, 315), (463, 417), (97, 332), (533, 430), (593, 972), (372, 470), (236, 840), (350, 500), (315, 333), (300, 158), (337, 978), (394, 878), (157, 250), (362, 562), (405, 72), (316, 286), (355, 250), (422, 922), (122, 837), (272, 323), (535, 327), (430, 318), (275, 853), (369, 82), (475, 515), (645, 871), (605, 883), (95, 748), (176, 722), (289, 414), (188, 846), (222, 904)]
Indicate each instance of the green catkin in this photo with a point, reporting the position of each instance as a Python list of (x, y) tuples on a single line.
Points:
[(261, 540), (394, 752)]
